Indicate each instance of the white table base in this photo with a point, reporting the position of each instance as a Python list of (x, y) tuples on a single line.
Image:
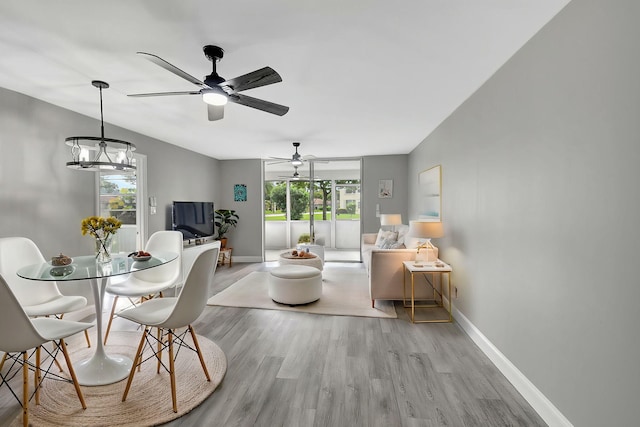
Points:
[(101, 368)]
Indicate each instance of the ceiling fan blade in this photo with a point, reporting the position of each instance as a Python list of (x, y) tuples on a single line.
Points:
[(172, 68), (139, 95), (215, 112), (259, 104), (262, 77)]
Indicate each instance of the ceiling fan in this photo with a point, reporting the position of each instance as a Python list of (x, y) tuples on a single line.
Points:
[(216, 90), (296, 159), (296, 176)]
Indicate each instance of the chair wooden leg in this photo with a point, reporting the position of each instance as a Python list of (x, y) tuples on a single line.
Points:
[(137, 361), (37, 377), (159, 353), (197, 345), (113, 310), (63, 346), (86, 336), (172, 372), (4, 357), (25, 390)]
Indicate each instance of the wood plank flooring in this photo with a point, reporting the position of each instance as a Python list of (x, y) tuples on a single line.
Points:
[(296, 369)]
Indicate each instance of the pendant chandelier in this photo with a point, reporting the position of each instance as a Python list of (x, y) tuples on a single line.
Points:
[(93, 153)]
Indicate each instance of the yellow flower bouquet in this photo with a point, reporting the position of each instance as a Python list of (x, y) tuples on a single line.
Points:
[(102, 229)]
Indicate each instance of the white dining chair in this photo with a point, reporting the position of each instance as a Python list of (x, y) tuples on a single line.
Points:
[(170, 314), (27, 334), (37, 298), (143, 285)]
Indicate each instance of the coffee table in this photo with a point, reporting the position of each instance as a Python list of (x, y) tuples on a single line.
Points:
[(313, 261)]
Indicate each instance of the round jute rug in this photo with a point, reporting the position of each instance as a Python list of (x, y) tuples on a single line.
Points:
[(149, 400)]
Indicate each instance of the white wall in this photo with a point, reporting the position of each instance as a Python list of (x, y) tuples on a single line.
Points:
[(541, 210)]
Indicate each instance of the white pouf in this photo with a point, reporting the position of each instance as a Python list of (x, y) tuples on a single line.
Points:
[(295, 284)]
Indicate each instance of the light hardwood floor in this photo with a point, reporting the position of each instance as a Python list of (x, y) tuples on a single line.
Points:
[(295, 369)]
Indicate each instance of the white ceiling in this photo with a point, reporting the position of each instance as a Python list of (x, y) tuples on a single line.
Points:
[(361, 77)]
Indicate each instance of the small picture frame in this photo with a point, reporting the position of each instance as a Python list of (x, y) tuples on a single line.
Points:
[(239, 193), (385, 189)]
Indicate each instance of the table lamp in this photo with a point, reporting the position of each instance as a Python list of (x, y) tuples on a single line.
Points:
[(425, 230), (391, 219)]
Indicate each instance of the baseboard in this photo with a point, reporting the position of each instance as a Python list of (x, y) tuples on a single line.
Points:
[(246, 259), (543, 406)]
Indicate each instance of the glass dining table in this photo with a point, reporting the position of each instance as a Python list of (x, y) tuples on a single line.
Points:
[(101, 368)]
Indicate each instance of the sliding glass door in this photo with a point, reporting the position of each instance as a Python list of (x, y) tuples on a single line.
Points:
[(318, 202)]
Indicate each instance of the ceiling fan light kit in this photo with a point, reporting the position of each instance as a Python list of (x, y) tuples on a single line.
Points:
[(296, 159), (216, 91), (110, 154), (215, 98)]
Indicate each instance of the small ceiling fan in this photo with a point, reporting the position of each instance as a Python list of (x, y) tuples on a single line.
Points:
[(296, 159), (216, 90), (296, 176)]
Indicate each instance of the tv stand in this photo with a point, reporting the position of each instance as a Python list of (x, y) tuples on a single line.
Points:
[(197, 241)]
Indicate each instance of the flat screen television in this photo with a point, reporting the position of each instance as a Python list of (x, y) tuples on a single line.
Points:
[(194, 219)]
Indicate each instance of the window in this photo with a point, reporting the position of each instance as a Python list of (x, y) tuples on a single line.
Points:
[(121, 195)]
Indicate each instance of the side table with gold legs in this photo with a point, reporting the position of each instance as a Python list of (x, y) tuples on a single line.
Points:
[(424, 269)]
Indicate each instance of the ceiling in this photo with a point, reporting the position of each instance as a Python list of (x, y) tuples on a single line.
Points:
[(360, 77)]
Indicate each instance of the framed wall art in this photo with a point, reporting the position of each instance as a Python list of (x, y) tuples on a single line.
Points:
[(430, 193), (385, 189), (239, 193)]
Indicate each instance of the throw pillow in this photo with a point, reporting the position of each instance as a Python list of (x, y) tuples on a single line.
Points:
[(386, 238), (398, 245), (388, 243), (403, 230)]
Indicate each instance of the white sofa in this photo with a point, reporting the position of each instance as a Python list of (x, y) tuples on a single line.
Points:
[(385, 270)]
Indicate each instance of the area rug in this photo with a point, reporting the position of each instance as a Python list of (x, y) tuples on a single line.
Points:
[(149, 400), (344, 293)]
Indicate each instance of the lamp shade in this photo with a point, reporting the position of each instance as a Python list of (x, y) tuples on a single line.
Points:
[(390, 219), (425, 230)]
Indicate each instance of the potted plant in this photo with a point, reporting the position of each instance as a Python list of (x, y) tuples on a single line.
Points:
[(224, 220), (304, 238)]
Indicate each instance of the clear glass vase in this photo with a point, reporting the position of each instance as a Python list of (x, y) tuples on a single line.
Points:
[(103, 249)]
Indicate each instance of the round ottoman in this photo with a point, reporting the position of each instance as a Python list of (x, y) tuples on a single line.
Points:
[(295, 284)]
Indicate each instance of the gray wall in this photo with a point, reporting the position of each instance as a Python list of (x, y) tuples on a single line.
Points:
[(246, 238), (541, 209), (42, 199), (376, 168)]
